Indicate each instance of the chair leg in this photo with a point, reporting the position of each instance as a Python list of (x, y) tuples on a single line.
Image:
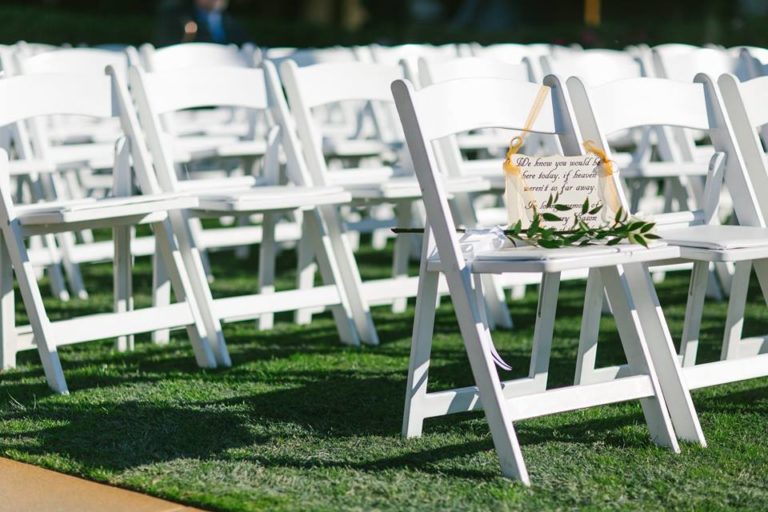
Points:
[(161, 295), (350, 276), (55, 273), (734, 320), (586, 356), (66, 242), (33, 303), (207, 350), (7, 312), (633, 339), (122, 280), (544, 329), (496, 303), (242, 252), (477, 343), (331, 273), (307, 268), (662, 352), (267, 254), (402, 252), (196, 230), (421, 348), (694, 309)]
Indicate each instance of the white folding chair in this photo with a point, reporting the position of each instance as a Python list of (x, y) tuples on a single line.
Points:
[(268, 195), (393, 184), (460, 105), (67, 154), (739, 162), (32, 96)]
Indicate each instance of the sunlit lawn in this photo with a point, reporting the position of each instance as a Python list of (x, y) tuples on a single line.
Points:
[(303, 423)]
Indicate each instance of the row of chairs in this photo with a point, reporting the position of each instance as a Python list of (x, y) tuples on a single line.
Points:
[(731, 113), (646, 175), (304, 173)]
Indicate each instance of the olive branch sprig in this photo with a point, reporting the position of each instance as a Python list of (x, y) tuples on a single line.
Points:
[(623, 228)]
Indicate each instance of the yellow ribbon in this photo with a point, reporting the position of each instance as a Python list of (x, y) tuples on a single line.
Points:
[(607, 189), (606, 162), (514, 182), (517, 142)]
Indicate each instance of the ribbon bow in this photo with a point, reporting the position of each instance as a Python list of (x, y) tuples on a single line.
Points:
[(607, 163)]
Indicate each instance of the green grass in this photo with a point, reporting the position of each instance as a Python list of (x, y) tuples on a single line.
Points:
[(303, 423)]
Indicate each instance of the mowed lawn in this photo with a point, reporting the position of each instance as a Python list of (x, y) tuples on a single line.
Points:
[(301, 422)]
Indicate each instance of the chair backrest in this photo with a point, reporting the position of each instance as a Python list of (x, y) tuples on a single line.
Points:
[(594, 66), (325, 84), (435, 71), (159, 93), (656, 102), (310, 56), (510, 52), (516, 54), (685, 65), (475, 104), (408, 55), (33, 97), (432, 72), (196, 55), (74, 60), (747, 107), (46, 94)]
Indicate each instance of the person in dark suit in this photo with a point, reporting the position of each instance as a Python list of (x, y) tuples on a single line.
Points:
[(202, 21)]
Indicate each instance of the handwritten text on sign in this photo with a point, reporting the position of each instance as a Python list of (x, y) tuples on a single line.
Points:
[(572, 179)]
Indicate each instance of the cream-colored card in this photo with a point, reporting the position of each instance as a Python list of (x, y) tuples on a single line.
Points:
[(570, 179)]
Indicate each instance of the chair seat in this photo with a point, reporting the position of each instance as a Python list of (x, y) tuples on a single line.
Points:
[(272, 198), (719, 243), (87, 210), (537, 259)]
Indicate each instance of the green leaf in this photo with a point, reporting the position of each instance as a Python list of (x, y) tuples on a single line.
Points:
[(595, 210), (652, 236), (562, 207), (534, 227), (573, 238), (649, 226), (549, 201), (635, 225), (517, 227), (619, 214), (614, 241), (551, 244), (585, 206), (551, 217)]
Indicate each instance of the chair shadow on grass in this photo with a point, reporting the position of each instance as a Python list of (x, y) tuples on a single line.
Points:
[(331, 405)]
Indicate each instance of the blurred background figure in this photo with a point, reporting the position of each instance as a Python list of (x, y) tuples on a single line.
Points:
[(201, 21)]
